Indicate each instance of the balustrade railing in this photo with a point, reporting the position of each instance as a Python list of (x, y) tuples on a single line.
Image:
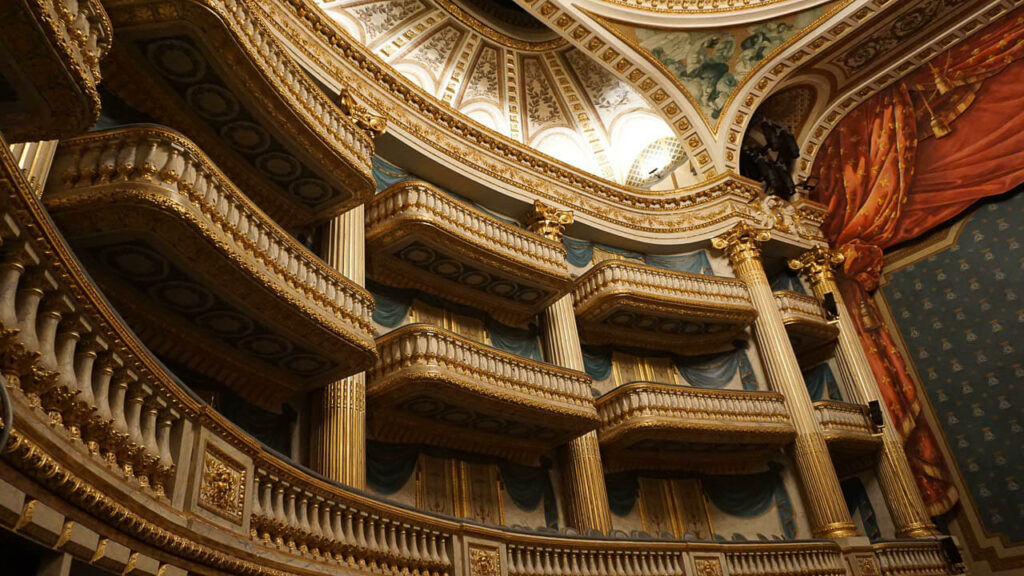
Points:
[(668, 284), (809, 559), (912, 558), (840, 417)]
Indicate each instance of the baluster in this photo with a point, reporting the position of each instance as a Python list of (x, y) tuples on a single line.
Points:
[(302, 524), (291, 520), (117, 430), (133, 448), (150, 456), (280, 517)]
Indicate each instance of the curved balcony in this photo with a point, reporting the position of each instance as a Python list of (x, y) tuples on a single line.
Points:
[(419, 237), (847, 427), (661, 425), (805, 322), (211, 69), (206, 279), (623, 302), (434, 385), (105, 436), (49, 91)]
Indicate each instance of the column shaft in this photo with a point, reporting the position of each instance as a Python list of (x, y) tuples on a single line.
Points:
[(907, 509), (35, 159), (829, 516), (338, 443), (582, 471)]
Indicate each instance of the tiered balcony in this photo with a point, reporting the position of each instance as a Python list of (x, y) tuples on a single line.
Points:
[(805, 322), (644, 424), (434, 386), (204, 277), (104, 436), (50, 50), (419, 237), (211, 69), (623, 302)]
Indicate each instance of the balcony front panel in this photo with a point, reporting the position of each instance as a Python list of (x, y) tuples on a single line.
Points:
[(628, 303), (205, 278), (50, 52), (847, 427), (211, 69), (646, 424), (419, 237), (809, 331), (437, 387)]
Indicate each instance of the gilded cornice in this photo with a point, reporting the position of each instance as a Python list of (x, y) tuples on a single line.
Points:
[(56, 46), (682, 215), (333, 139), (413, 229)]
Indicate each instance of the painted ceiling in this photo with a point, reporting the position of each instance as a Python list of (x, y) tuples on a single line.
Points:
[(656, 94)]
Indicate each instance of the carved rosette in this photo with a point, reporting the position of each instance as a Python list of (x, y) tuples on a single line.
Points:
[(222, 487), (484, 562)]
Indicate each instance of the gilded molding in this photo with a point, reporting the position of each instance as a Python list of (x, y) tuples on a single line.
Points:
[(67, 41)]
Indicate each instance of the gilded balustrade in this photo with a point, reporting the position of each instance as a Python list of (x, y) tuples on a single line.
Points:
[(298, 154), (426, 372), (846, 426), (104, 434), (55, 85), (619, 301), (809, 330), (645, 423), (419, 237), (145, 192)]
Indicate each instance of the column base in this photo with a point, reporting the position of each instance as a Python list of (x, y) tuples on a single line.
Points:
[(918, 530), (836, 530)]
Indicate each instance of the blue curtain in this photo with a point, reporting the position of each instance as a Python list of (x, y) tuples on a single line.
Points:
[(622, 489), (389, 466), (579, 252), (821, 383), (716, 371), (520, 341), (858, 503), (386, 174), (751, 495), (528, 487), (597, 362), (692, 263), (392, 306), (788, 280)]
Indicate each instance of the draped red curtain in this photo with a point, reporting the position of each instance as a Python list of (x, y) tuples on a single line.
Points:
[(886, 181)]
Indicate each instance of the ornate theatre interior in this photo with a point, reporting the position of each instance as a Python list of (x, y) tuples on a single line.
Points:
[(511, 287)]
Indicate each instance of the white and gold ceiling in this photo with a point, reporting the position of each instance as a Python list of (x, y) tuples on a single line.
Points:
[(655, 94)]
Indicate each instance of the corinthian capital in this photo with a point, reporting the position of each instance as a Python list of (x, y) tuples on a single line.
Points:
[(817, 264), (548, 221), (742, 242)]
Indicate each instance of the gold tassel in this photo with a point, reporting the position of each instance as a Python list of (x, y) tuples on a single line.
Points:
[(941, 82), (940, 127)]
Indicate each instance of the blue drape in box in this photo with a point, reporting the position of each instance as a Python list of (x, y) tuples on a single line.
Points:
[(716, 371), (751, 495), (788, 280), (386, 174), (390, 466), (857, 501), (597, 361), (692, 263), (821, 383), (622, 492), (392, 306)]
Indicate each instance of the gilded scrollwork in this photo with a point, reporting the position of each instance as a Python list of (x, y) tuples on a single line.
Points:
[(484, 562)]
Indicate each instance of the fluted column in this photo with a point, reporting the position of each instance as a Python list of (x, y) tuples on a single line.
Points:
[(582, 473), (338, 444), (829, 515), (902, 497), (35, 159)]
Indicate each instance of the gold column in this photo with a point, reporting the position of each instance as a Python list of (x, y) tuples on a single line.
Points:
[(338, 446), (908, 512), (35, 159), (828, 513), (582, 473)]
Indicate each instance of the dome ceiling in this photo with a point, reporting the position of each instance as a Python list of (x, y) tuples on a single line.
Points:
[(635, 91), (519, 79)]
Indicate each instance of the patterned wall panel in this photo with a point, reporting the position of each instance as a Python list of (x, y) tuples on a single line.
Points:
[(961, 314)]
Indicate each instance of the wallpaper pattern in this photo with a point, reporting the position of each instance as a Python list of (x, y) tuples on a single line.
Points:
[(961, 314)]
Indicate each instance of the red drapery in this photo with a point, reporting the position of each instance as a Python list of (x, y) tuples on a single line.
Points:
[(885, 185)]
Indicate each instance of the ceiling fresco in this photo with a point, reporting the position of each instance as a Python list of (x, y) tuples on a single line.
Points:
[(541, 92)]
